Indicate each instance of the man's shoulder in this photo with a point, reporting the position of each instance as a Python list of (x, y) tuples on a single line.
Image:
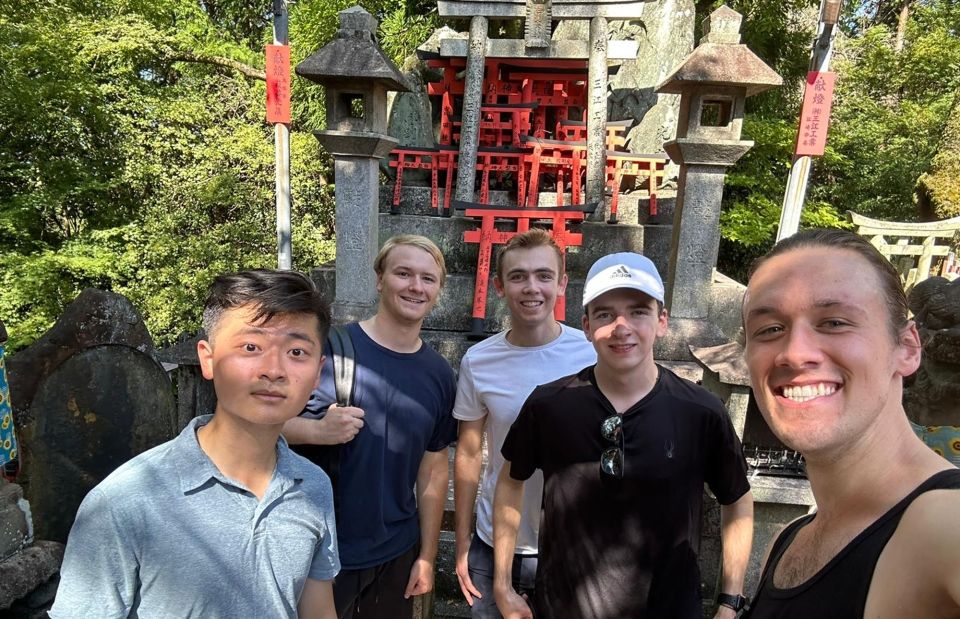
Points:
[(139, 478), (493, 343), (928, 540), (432, 361), (559, 388), (435, 362)]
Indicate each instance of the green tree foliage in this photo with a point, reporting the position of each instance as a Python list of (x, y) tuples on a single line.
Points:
[(898, 66), (134, 155), (938, 191)]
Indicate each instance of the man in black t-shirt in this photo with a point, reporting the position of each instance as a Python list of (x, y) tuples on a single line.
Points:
[(625, 447)]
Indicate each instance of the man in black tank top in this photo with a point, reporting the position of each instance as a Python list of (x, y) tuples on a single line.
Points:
[(828, 345)]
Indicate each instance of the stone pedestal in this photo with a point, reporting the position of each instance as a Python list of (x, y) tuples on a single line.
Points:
[(357, 174), (16, 529), (24, 566), (696, 236), (725, 375)]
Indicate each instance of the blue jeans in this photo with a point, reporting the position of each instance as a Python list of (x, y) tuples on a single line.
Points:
[(480, 566)]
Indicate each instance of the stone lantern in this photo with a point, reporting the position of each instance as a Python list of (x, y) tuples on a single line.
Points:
[(357, 76), (713, 83)]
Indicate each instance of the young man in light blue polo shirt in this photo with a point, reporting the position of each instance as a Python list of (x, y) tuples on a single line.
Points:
[(224, 520)]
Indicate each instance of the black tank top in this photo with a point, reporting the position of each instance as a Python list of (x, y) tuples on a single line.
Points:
[(839, 590)]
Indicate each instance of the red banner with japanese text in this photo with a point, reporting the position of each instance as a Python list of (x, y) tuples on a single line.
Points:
[(815, 114), (278, 84)]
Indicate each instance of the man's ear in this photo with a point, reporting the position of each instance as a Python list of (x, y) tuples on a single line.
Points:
[(585, 326), (562, 288), (662, 322), (910, 350), (323, 360), (205, 354), (498, 286)]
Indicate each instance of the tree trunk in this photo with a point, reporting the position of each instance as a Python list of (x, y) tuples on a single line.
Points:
[(902, 26)]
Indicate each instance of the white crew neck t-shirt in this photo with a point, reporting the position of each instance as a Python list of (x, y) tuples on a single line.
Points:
[(495, 379)]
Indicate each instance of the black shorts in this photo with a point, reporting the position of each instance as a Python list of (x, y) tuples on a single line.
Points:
[(376, 592)]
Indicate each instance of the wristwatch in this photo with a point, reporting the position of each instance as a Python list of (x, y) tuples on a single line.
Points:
[(736, 602)]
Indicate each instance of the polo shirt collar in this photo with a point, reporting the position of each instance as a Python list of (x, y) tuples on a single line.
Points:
[(196, 468)]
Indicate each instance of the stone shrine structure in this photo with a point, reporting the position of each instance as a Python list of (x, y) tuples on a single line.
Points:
[(87, 396), (538, 16), (932, 397), (713, 83)]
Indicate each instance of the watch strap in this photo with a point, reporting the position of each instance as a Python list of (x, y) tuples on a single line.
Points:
[(736, 602)]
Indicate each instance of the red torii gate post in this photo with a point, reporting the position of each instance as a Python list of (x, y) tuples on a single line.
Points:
[(487, 236)]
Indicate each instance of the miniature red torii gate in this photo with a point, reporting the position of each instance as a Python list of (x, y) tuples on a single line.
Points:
[(487, 236)]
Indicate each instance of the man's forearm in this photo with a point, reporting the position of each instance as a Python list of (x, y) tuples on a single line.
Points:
[(736, 534), (301, 431), (466, 478), (506, 521), (432, 480)]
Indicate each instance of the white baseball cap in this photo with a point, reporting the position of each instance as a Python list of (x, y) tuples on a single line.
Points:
[(622, 270)]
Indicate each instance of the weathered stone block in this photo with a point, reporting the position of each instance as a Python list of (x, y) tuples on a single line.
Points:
[(15, 529), (94, 318), (98, 409), (26, 570)]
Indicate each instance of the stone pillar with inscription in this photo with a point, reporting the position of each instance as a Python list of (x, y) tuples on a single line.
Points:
[(470, 114), (713, 82), (597, 111), (357, 76)]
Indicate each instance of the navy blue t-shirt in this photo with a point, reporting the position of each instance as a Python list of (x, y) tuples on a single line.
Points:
[(408, 400)]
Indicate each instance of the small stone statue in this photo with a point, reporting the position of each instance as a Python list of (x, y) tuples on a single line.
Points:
[(932, 399)]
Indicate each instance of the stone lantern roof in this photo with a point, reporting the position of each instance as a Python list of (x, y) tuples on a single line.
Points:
[(353, 57), (722, 60)]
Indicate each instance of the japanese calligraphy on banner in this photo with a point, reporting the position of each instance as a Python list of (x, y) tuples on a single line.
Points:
[(278, 84), (815, 114)]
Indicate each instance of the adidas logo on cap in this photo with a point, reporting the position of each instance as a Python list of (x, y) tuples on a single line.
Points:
[(622, 271)]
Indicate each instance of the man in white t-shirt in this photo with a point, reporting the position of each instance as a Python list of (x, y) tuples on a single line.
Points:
[(496, 376)]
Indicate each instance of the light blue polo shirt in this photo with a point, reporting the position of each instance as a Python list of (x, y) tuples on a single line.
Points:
[(168, 535)]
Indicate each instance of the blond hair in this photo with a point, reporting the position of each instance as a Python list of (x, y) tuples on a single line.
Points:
[(413, 240)]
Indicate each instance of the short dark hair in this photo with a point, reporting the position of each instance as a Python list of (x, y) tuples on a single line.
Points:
[(890, 284), (272, 292), (531, 239)]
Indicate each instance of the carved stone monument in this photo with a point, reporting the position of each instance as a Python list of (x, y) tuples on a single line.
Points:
[(932, 398), (88, 396), (357, 76)]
